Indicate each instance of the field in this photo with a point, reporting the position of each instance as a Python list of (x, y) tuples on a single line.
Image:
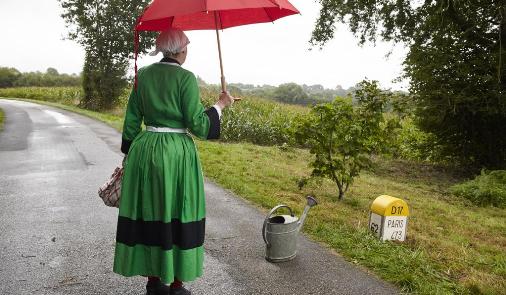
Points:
[(453, 246)]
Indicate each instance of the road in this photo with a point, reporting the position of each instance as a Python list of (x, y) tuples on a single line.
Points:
[(56, 237)]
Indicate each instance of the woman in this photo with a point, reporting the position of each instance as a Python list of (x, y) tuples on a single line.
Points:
[(161, 220)]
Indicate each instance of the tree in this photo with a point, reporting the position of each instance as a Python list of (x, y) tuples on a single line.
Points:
[(8, 77), (290, 93), (105, 29), (455, 64), (52, 72), (343, 138)]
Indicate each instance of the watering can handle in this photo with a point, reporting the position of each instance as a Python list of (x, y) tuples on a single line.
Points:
[(269, 216)]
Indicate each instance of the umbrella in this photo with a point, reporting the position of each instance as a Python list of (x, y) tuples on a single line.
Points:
[(216, 15)]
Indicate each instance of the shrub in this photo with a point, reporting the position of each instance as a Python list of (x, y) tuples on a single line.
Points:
[(486, 189), (411, 143), (342, 137)]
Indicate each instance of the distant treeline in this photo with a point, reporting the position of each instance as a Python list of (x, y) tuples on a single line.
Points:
[(11, 77), (294, 93), (291, 93)]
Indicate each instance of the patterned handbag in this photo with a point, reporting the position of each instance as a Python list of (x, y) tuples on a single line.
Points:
[(110, 191)]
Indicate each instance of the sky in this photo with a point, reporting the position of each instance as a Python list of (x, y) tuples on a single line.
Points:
[(33, 39)]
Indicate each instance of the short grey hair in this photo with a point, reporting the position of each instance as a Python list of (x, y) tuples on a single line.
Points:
[(171, 42)]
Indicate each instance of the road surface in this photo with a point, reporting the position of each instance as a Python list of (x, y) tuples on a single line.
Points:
[(57, 237)]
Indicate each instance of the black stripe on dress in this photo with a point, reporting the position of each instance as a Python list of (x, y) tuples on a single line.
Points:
[(214, 119), (186, 235), (125, 145)]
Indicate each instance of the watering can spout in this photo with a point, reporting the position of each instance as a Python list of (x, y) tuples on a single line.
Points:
[(311, 202)]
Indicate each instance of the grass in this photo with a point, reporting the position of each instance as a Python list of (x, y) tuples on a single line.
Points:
[(2, 118), (452, 247)]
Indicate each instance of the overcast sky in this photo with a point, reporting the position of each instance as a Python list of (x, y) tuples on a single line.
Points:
[(33, 32)]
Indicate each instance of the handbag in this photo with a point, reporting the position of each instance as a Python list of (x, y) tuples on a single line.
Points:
[(110, 192)]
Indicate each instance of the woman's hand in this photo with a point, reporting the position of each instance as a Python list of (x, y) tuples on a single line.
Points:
[(225, 100)]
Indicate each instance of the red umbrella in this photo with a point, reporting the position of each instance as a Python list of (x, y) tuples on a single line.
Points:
[(217, 15)]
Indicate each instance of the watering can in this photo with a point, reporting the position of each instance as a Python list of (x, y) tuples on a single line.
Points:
[(280, 232)]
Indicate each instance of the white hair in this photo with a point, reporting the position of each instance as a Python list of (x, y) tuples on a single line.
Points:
[(171, 42)]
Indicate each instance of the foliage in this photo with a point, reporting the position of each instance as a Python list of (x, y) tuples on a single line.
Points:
[(11, 77), (455, 64), (293, 93), (65, 95), (252, 120), (486, 189), (409, 142), (264, 122), (290, 93), (8, 77), (255, 120), (342, 137), (102, 85), (2, 118), (105, 30)]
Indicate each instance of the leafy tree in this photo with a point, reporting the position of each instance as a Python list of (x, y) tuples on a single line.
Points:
[(455, 64), (52, 72), (105, 29), (8, 77), (342, 137), (290, 93)]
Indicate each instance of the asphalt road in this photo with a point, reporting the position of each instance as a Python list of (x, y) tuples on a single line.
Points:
[(56, 237)]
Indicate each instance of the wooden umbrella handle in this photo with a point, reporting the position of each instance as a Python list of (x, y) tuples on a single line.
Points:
[(223, 82)]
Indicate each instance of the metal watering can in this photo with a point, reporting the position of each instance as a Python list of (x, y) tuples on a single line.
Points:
[(280, 232)]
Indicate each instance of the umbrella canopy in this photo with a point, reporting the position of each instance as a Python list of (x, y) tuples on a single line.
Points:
[(162, 15)]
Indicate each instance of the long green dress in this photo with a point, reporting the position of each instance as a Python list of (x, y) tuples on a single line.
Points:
[(161, 221)]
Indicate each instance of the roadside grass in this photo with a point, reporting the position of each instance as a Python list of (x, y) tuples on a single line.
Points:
[(452, 246), (2, 118)]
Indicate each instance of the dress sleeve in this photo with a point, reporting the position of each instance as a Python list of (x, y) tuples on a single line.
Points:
[(204, 124), (133, 120)]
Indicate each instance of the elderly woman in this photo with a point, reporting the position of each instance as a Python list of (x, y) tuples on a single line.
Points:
[(161, 222)]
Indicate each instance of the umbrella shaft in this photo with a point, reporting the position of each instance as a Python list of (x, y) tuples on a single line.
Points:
[(223, 83)]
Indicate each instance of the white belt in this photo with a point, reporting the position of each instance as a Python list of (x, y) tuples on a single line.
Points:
[(166, 129)]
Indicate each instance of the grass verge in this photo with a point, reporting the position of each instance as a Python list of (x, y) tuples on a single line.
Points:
[(2, 118), (453, 247)]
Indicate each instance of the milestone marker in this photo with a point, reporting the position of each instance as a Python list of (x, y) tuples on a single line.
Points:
[(388, 219)]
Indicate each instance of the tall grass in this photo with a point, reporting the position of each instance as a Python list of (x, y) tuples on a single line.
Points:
[(256, 120), (64, 95), (2, 116), (253, 119)]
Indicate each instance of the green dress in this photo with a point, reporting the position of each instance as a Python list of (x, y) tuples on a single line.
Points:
[(161, 223)]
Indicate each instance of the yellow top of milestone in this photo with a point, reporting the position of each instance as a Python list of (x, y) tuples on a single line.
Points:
[(389, 206)]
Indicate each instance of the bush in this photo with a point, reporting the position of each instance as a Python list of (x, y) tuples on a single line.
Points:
[(411, 143), (342, 137), (486, 189)]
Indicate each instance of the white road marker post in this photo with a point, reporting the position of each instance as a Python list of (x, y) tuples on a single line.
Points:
[(388, 219)]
